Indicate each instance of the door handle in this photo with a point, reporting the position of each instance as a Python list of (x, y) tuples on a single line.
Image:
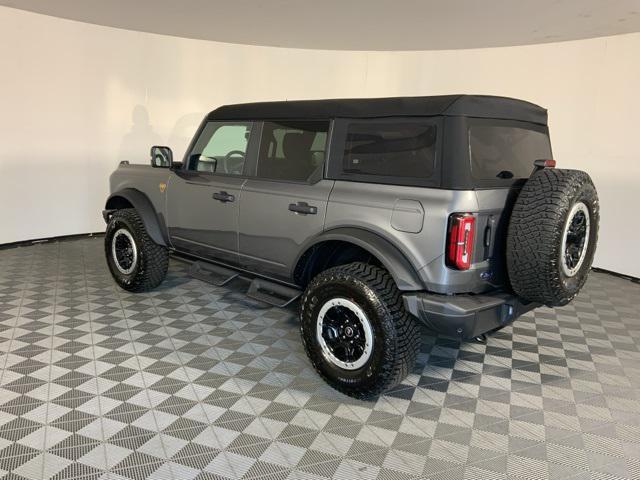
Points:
[(303, 208), (223, 197)]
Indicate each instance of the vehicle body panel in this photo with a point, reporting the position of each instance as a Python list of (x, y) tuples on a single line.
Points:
[(197, 222), (143, 178), (372, 206), (270, 234), (404, 274), (141, 186)]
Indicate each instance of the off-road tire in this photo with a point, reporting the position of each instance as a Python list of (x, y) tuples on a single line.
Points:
[(396, 334), (153, 259), (535, 234)]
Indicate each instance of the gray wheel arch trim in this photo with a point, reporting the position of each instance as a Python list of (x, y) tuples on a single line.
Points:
[(390, 256), (152, 222)]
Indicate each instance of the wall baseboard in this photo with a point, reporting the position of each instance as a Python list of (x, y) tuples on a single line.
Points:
[(61, 238), (67, 238), (616, 274)]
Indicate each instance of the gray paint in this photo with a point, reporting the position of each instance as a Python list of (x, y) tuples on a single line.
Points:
[(487, 269), (390, 256), (140, 186), (200, 224), (258, 233), (371, 207), (272, 236), (407, 216)]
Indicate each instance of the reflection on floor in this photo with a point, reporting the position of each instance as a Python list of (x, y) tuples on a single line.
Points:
[(192, 381)]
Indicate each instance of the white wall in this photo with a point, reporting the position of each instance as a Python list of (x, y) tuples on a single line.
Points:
[(74, 100)]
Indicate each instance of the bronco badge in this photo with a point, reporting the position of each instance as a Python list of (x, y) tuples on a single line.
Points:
[(162, 187)]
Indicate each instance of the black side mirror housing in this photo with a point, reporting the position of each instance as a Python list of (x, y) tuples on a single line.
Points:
[(161, 157)]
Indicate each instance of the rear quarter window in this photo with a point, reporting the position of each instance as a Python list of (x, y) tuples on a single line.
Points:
[(393, 150), (506, 151)]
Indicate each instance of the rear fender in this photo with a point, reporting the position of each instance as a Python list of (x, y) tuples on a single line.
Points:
[(389, 255)]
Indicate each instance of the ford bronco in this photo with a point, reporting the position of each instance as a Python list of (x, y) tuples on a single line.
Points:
[(375, 213)]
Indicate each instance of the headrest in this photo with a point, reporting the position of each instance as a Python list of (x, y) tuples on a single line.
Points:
[(297, 144)]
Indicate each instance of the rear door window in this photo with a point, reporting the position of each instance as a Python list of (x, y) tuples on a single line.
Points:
[(393, 150), (506, 152), (293, 150)]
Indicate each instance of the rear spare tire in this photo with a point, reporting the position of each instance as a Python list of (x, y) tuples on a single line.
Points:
[(552, 236)]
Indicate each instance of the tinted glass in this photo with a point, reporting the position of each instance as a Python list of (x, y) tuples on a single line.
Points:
[(400, 148), (292, 151), (221, 148), (505, 152)]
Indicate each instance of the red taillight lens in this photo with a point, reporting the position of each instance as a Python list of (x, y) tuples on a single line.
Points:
[(545, 163), (460, 240)]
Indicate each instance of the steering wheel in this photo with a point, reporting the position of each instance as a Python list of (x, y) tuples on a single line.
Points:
[(237, 164)]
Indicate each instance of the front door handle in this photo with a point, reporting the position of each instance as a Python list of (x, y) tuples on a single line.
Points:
[(224, 197), (304, 208)]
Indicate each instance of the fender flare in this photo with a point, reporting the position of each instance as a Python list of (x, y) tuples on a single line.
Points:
[(151, 220), (390, 256)]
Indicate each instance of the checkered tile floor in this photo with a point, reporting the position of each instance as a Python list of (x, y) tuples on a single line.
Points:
[(197, 382)]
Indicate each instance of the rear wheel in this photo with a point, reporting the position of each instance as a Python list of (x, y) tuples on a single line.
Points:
[(356, 331), (552, 236), (136, 263)]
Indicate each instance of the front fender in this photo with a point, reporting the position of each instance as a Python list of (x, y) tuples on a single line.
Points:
[(154, 225), (390, 256)]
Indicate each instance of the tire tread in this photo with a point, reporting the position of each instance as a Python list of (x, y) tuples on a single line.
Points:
[(406, 342), (535, 235), (154, 258)]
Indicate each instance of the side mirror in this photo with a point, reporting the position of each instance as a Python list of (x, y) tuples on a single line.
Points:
[(161, 157)]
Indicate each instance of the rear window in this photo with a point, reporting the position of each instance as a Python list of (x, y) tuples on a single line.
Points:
[(392, 148), (505, 151)]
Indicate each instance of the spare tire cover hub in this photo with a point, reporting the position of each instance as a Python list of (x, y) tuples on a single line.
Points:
[(575, 239)]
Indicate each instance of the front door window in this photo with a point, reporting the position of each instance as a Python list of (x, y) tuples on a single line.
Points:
[(221, 148)]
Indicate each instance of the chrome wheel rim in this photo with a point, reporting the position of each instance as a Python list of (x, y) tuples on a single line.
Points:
[(124, 251), (575, 239), (344, 334)]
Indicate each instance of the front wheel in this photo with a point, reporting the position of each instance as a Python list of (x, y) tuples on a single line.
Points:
[(356, 331), (136, 263)]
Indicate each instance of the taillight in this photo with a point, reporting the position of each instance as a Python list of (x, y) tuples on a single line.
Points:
[(545, 163), (460, 240)]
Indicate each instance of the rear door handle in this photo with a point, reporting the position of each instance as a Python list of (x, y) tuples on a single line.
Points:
[(224, 197), (304, 208)]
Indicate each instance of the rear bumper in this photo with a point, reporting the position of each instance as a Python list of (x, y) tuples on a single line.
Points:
[(465, 316)]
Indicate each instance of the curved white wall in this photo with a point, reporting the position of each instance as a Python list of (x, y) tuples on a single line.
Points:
[(75, 98)]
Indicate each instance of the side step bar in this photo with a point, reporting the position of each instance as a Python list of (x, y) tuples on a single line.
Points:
[(210, 273), (272, 293), (260, 289)]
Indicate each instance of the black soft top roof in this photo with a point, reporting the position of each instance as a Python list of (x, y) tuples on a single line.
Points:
[(483, 106)]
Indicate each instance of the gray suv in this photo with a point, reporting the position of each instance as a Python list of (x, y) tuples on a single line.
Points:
[(376, 213)]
